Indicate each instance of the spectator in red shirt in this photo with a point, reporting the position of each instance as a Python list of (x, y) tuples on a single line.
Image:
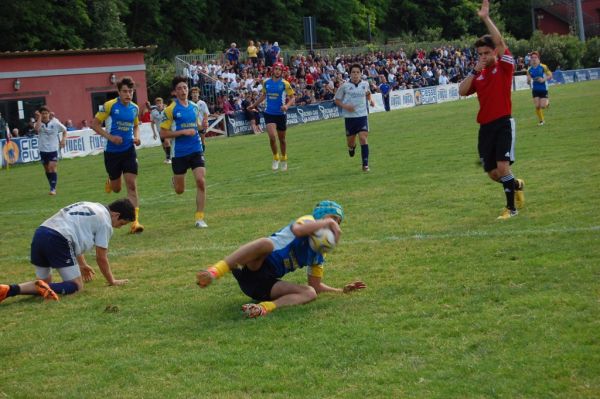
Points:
[(491, 79), (145, 113)]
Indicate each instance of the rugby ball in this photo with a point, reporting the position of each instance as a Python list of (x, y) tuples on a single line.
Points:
[(322, 240)]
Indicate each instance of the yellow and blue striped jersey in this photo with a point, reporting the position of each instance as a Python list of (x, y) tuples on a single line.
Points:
[(119, 119), (291, 252), (177, 117), (274, 90), (540, 71)]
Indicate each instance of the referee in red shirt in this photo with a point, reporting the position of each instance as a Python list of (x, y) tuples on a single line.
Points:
[(491, 79)]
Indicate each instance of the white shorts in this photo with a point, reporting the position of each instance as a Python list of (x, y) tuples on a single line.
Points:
[(66, 273)]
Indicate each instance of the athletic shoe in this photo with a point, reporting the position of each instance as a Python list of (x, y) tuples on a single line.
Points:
[(541, 123), (351, 151), (201, 224), (366, 168), (52, 192), (107, 187), (283, 165), (204, 278), (168, 161), (275, 165), (3, 291), (507, 214), (45, 291), (136, 228), (520, 194), (254, 310)]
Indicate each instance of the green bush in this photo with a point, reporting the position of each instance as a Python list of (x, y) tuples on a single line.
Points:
[(159, 74), (591, 58), (564, 50)]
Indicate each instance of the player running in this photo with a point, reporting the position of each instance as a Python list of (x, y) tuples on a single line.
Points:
[(280, 96), (538, 75), (156, 118), (352, 97), (48, 130)]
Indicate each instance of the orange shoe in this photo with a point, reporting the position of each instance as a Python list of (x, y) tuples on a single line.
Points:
[(107, 187), (3, 291), (136, 228), (45, 291), (254, 310)]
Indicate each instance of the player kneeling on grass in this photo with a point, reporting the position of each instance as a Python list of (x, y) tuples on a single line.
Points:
[(259, 265), (59, 243)]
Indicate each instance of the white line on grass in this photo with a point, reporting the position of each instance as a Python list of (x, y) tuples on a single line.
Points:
[(416, 237)]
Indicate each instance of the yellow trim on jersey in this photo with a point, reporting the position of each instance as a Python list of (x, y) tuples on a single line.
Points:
[(288, 88), (547, 70), (305, 218), (168, 112), (104, 111)]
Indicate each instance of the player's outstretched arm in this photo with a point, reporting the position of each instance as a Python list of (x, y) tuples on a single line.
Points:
[(484, 14), (317, 284), (102, 259), (306, 229)]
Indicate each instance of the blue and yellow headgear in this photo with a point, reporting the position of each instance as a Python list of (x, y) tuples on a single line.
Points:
[(328, 208)]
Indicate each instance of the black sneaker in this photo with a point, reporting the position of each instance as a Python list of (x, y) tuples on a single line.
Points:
[(351, 151)]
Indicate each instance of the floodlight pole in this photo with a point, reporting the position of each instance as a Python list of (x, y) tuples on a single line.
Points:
[(580, 20)]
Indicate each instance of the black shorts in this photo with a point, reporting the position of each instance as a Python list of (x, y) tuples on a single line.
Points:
[(180, 165), (497, 142), (47, 157), (257, 285), (279, 120), (117, 163), (539, 93), (356, 125)]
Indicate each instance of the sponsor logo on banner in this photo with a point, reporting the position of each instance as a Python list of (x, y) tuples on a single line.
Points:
[(74, 144), (11, 152), (425, 95)]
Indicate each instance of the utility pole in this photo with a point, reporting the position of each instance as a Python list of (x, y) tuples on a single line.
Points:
[(580, 26)]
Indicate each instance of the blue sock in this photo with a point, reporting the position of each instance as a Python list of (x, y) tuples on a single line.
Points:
[(14, 290), (64, 288), (364, 151), (53, 178)]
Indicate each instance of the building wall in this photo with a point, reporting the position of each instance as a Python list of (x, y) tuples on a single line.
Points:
[(75, 78)]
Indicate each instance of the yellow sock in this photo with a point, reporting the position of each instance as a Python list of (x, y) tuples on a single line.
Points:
[(219, 269), (275, 157), (283, 157), (137, 214), (199, 215), (270, 306), (540, 114)]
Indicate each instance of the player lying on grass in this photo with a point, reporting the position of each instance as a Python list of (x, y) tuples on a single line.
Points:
[(259, 265), (59, 243)]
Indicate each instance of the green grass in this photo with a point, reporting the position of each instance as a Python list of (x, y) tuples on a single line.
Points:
[(457, 305)]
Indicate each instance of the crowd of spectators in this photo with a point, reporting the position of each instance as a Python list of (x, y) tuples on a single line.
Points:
[(236, 77)]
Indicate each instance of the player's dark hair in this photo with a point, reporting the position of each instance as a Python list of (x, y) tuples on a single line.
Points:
[(158, 99), (125, 209), (356, 66), (43, 108), (126, 81), (485, 41), (535, 53), (195, 88), (178, 79)]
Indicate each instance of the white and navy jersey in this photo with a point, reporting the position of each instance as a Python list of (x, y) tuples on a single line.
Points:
[(84, 224), (356, 95), (49, 135), (157, 116), (202, 108)]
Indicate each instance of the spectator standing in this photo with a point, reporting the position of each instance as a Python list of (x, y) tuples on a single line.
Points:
[(69, 125), (252, 52), (384, 89), (4, 129)]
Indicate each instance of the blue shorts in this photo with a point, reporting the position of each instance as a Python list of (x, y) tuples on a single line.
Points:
[(356, 125), (47, 157), (49, 248)]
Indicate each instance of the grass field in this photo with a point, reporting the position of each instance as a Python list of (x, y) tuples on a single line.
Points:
[(458, 304)]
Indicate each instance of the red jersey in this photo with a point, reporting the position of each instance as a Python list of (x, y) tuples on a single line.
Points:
[(493, 86)]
